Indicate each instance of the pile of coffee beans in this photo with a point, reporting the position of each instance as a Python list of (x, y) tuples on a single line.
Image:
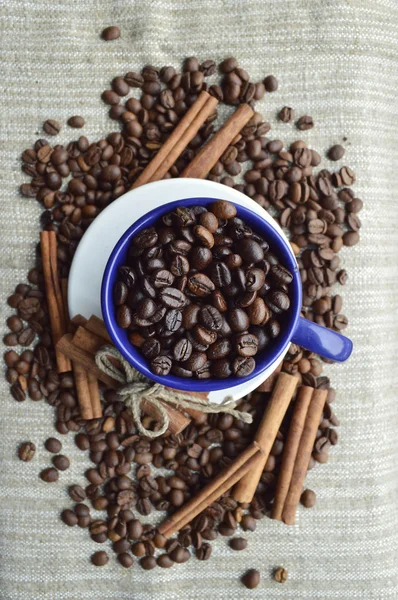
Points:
[(73, 183), (201, 293)]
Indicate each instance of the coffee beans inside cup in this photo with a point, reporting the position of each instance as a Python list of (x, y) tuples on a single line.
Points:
[(195, 289)]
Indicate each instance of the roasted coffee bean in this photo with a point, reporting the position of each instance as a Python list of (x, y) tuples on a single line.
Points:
[(251, 579), (304, 123), (172, 297), (51, 127), (109, 34), (221, 368), (100, 559), (336, 152), (223, 209), (200, 285), (148, 563), (53, 445), (250, 250), (220, 274), (49, 475), (246, 344), (238, 320), (278, 301), (77, 493), (26, 451), (286, 114), (242, 366), (308, 498), (248, 523), (238, 543), (182, 350), (210, 318), (161, 365), (61, 462), (271, 83), (280, 575), (255, 279)]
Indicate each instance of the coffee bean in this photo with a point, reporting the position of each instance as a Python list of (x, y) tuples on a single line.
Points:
[(223, 209), (336, 152), (148, 563), (278, 301), (271, 83), (200, 285), (280, 575), (76, 122), (308, 498), (53, 445), (304, 123), (250, 250), (110, 33), (77, 493), (69, 518), (99, 559), (49, 475), (251, 579), (26, 451), (51, 127), (238, 544), (161, 365), (182, 350), (172, 297), (238, 320), (242, 366), (286, 114), (246, 344), (210, 318), (61, 462)]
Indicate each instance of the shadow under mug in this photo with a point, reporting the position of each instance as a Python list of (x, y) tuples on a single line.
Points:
[(294, 328)]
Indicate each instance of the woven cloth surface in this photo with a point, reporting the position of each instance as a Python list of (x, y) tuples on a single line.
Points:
[(335, 60)]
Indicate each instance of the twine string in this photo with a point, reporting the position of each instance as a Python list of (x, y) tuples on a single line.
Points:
[(136, 387)]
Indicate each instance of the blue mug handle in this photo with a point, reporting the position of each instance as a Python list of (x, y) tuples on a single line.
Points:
[(323, 341)]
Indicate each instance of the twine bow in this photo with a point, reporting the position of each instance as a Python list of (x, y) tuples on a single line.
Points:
[(138, 387)]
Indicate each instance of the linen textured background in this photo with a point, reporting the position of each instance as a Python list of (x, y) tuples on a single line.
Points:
[(335, 60)]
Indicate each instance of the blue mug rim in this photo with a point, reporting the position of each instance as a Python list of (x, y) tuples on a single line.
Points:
[(278, 245)]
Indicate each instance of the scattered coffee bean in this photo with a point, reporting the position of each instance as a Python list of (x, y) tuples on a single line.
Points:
[(308, 498), (51, 127), (26, 451), (271, 83), (53, 445), (49, 475), (336, 152), (251, 579), (304, 123), (76, 122), (69, 517), (99, 559), (286, 114), (238, 543), (280, 575), (110, 33), (61, 462)]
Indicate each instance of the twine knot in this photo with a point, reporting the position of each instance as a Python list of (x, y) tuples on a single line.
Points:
[(137, 387)]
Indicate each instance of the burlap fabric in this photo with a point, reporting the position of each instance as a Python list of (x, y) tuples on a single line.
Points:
[(335, 60)]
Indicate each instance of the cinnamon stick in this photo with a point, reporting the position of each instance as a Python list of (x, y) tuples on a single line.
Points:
[(179, 139), (304, 451), (266, 433), (213, 490), (290, 450), (86, 340), (48, 244), (177, 421), (97, 326), (87, 389), (268, 384), (95, 398), (205, 160), (83, 391)]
